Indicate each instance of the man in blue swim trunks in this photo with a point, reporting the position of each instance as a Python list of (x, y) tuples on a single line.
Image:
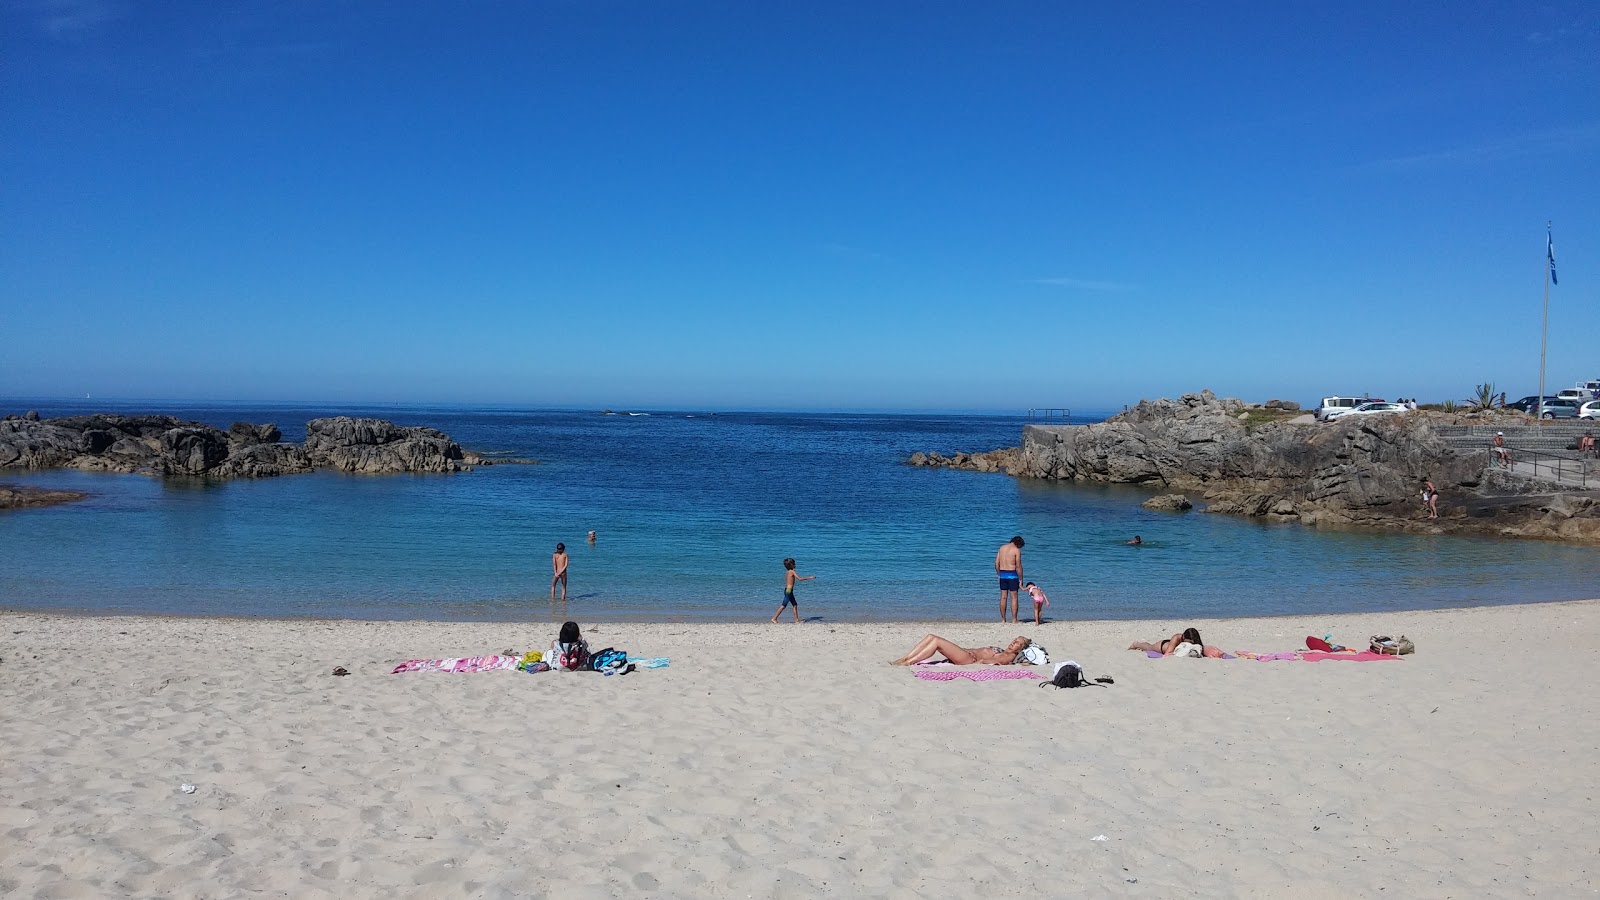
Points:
[(1008, 565)]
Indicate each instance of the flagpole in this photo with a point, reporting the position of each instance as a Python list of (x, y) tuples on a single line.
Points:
[(1544, 332)]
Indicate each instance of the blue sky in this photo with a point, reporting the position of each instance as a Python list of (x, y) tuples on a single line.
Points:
[(859, 205)]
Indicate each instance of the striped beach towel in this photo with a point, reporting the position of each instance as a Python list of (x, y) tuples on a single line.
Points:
[(459, 665), (985, 673)]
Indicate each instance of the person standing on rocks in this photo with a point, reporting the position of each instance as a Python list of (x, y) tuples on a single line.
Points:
[(1430, 499), (1008, 566), (558, 563)]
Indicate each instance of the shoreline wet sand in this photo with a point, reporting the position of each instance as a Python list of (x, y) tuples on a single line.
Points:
[(784, 760)]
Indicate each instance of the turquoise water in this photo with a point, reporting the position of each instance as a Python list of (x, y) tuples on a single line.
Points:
[(695, 513)]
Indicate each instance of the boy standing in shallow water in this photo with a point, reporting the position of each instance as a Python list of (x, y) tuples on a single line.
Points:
[(1040, 601), (789, 578)]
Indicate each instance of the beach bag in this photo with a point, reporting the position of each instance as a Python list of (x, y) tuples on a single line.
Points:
[(1388, 646), (1068, 675), (1188, 649), (1033, 655), (608, 658), (571, 657)]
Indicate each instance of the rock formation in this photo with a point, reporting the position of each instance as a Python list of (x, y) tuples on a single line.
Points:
[(1168, 503), (16, 496), (1005, 459), (1358, 471), (169, 446)]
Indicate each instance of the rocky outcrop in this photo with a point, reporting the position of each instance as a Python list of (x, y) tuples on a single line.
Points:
[(374, 446), (17, 497), (170, 446), (1005, 459), (1168, 503), (1364, 472)]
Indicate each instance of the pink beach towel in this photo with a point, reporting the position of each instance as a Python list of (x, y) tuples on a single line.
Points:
[(1363, 656), (986, 673), (1313, 656), (459, 665)]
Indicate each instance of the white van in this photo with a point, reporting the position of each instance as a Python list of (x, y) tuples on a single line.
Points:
[(1340, 404)]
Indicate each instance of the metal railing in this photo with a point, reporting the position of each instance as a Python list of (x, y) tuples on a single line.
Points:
[(1542, 465), (1049, 415)]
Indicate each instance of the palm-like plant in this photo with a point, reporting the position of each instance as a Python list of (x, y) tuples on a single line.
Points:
[(1486, 397)]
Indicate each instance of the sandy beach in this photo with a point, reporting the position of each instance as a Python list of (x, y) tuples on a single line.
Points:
[(793, 761)]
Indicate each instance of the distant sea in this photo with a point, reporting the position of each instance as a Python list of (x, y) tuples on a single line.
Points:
[(694, 513)]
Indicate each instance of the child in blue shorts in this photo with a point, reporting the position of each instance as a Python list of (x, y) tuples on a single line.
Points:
[(789, 578)]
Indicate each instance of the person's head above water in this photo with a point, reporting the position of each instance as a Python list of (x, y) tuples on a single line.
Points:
[(788, 562), (561, 548), (1136, 540), (1017, 540)]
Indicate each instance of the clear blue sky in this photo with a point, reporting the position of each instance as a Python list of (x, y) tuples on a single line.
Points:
[(855, 204)]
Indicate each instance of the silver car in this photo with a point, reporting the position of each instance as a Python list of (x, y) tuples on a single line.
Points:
[(1590, 410), (1370, 409), (1559, 409)]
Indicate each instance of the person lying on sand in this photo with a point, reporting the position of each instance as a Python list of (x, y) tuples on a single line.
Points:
[(963, 656), (1165, 648)]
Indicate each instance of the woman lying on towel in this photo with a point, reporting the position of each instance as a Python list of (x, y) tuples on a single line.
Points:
[(963, 656), (1170, 645)]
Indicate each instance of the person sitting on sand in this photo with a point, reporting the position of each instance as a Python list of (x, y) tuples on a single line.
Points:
[(963, 656), (569, 651), (1165, 648)]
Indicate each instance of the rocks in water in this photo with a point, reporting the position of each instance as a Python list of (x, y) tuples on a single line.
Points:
[(1005, 459), (1168, 502), (376, 446), (191, 450), (1356, 471), (169, 446), (246, 434), (17, 497)]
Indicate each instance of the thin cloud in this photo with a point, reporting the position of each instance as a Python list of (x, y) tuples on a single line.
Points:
[(1534, 144), (1083, 284)]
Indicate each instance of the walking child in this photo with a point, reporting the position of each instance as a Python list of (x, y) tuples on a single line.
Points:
[(1040, 601), (789, 579)]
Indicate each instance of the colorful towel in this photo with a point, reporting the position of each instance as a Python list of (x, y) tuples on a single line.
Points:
[(986, 673), (1363, 656), (1313, 656), (1155, 654), (460, 665)]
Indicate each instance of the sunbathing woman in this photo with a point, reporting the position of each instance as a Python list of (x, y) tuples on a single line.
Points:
[(963, 656), (1192, 635)]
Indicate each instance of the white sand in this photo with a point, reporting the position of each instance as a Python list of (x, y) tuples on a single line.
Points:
[(791, 761)]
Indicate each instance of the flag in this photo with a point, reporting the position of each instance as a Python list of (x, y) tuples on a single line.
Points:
[(1550, 255)]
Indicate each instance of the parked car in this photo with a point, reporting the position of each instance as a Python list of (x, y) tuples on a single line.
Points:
[(1590, 410), (1333, 407), (1370, 408), (1559, 409), (1526, 404)]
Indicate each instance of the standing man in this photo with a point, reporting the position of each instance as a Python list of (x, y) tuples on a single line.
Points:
[(1008, 566), (558, 563)]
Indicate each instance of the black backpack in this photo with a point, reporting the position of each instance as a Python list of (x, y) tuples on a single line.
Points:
[(1070, 675)]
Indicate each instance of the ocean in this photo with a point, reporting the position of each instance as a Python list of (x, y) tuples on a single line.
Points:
[(694, 513)]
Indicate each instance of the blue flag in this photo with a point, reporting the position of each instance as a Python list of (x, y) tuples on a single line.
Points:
[(1550, 255)]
